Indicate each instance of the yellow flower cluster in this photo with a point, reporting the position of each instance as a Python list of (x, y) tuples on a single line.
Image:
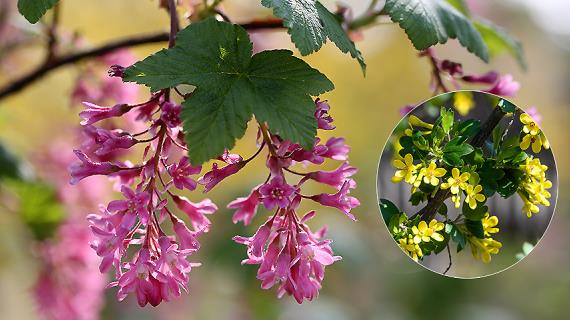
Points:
[(423, 232), (414, 173), (483, 248), (534, 187), (533, 135)]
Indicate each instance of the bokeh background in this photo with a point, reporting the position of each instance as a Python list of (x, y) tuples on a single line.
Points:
[(374, 280), (516, 229)]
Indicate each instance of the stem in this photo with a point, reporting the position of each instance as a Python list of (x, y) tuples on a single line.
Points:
[(429, 211), (173, 23), (52, 35), (436, 72), (450, 262), (57, 62), (267, 139)]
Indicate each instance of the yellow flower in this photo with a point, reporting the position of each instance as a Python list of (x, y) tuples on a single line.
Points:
[(489, 224), (411, 248), (424, 232), (483, 248), (529, 126), (432, 173), (407, 169), (456, 199), (463, 102), (473, 195), (534, 168), (456, 181), (529, 208), (538, 191), (536, 141), (417, 122)]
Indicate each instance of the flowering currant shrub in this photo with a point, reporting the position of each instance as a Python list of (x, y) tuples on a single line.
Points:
[(205, 88), (467, 162)]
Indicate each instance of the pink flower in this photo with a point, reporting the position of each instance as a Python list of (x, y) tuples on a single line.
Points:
[(336, 149), (180, 174), (135, 204), (87, 168), (188, 239), (94, 113), (212, 178), (170, 114), (335, 178), (324, 120), (103, 141), (314, 155), (340, 200), (406, 109), (505, 86), (490, 77), (196, 211), (140, 280), (246, 207), (172, 268), (276, 193)]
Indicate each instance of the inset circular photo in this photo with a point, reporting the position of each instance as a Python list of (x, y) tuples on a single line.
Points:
[(467, 184)]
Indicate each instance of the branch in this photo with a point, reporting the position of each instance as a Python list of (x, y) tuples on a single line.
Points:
[(57, 62), (429, 211)]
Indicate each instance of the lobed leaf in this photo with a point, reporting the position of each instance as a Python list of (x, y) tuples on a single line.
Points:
[(33, 10)]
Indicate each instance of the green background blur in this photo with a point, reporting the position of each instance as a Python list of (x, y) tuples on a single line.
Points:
[(374, 280)]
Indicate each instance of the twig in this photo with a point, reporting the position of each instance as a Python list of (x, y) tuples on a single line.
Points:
[(57, 62), (429, 211), (450, 262), (52, 35)]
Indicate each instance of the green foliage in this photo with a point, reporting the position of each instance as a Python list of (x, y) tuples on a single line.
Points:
[(509, 184), (468, 128), (507, 106), (474, 214), (38, 207), (10, 167), (216, 57), (456, 236), (310, 24), (429, 22), (475, 227), (454, 150), (447, 117), (388, 210), (499, 41), (33, 10)]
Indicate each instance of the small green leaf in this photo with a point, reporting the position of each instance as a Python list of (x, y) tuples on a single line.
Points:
[(232, 85), (10, 166), (456, 236), (447, 117), (507, 106), (388, 210), (454, 150), (499, 41), (509, 184), (33, 10), (468, 128), (428, 23), (475, 227), (474, 214), (310, 24), (38, 207)]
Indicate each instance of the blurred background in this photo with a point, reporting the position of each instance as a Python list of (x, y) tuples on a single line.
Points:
[(516, 229), (374, 280)]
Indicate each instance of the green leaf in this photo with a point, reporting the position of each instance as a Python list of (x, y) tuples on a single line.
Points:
[(454, 150), (461, 6), (388, 210), (310, 24), (456, 236), (38, 207), (509, 184), (429, 22), (475, 227), (10, 166), (446, 119), (474, 214), (507, 106), (33, 10), (468, 128), (499, 41), (232, 85)]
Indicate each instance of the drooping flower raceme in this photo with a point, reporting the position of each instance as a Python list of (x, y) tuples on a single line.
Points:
[(290, 256), (158, 270)]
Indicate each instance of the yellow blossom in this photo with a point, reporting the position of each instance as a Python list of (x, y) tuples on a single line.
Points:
[(424, 232), (411, 248), (483, 248), (473, 195), (432, 173), (463, 102), (529, 126), (456, 199), (489, 224), (417, 122), (536, 141), (534, 168), (529, 208), (407, 169), (457, 181)]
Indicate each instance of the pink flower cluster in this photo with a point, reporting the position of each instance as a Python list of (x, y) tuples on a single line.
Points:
[(292, 257), (129, 232)]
